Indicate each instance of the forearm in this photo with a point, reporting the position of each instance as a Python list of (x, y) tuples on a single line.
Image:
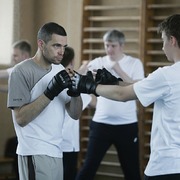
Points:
[(29, 112), (122, 83), (124, 76), (74, 107), (117, 93), (93, 102)]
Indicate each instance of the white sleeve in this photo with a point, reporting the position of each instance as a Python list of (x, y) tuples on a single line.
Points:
[(151, 88)]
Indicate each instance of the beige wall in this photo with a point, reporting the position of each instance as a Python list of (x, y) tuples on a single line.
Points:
[(66, 13), (6, 125), (29, 15)]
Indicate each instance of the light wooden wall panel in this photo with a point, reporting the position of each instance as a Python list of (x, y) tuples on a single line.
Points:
[(138, 19)]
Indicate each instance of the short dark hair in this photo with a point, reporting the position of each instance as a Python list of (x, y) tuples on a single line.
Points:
[(46, 31), (171, 27), (68, 56), (23, 45)]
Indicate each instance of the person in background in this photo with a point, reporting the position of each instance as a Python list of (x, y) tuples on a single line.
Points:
[(70, 131), (38, 99), (21, 50), (162, 88), (116, 126)]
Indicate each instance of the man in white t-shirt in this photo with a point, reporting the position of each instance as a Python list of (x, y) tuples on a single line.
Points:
[(70, 132), (114, 123), (37, 96), (162, 87)]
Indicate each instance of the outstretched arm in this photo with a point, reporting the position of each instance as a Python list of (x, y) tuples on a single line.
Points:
[(117, 93), (112, 89)]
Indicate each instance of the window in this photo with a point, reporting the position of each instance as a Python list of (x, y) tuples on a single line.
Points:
[(6, 30)]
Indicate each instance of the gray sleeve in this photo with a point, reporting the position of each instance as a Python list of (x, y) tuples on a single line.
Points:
[(18, 89)]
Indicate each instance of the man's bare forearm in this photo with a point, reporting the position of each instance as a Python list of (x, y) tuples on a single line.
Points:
[(74, 107), (29, 112)]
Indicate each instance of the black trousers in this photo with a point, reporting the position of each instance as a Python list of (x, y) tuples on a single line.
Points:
[(70, 160), (125, 140)]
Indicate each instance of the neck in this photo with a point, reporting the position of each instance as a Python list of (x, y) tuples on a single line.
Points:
[(118, 58), (40, 61)]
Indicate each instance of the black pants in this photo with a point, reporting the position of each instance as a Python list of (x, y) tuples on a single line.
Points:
[(125, 140), (70, 165), (163, 177)]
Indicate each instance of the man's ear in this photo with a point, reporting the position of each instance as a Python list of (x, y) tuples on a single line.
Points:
[(40, 44), (173, 40)]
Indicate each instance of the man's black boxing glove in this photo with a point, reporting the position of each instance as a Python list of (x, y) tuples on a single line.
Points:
[(58, 83), (87, 84), (84, 83), (103, 76), (73, 91)]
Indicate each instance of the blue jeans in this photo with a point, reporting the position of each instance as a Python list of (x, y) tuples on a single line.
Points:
[(125, 140)]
